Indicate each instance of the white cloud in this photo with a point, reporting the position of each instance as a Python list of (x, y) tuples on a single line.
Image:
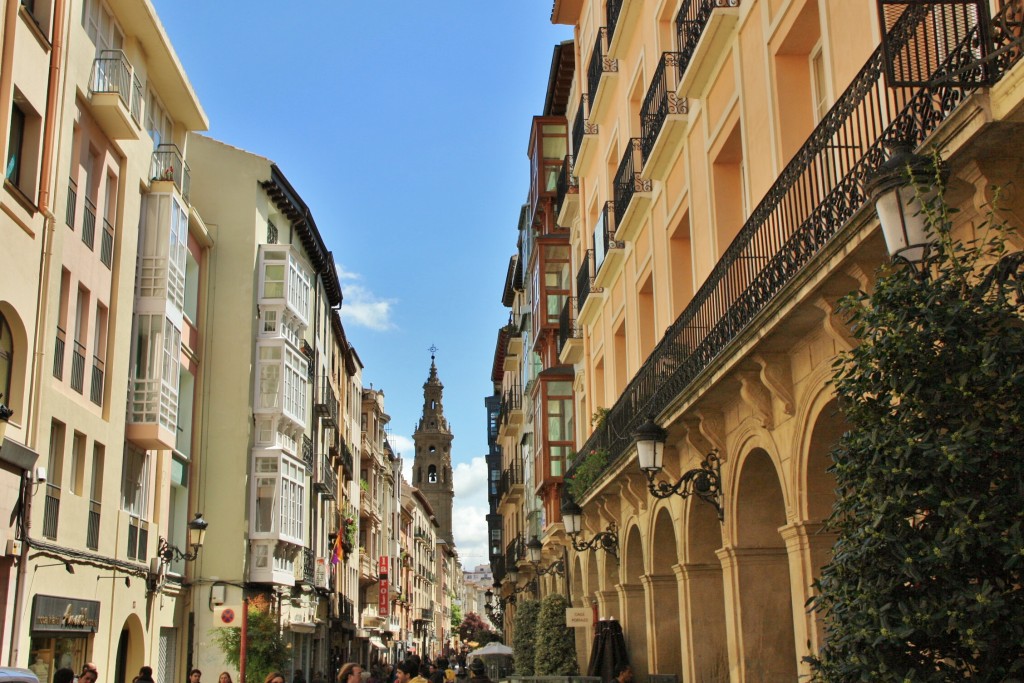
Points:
[(361, 306), (469, 514)]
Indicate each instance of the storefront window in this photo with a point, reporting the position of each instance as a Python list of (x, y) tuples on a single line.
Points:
[(49, 654)]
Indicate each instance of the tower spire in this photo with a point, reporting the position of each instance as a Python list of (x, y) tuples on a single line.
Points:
[(432, 464)]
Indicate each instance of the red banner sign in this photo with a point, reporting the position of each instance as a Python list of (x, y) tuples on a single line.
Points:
[(384, 594)]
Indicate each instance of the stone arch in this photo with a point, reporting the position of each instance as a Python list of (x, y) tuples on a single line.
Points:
[(631, 600), (702, 595), (760, 572), (131, 650), (662, 588), (20, 352)]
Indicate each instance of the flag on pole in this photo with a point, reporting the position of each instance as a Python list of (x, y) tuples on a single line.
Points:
[(336, 551)]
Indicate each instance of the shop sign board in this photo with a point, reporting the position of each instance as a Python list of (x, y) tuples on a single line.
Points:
[(64, 615)]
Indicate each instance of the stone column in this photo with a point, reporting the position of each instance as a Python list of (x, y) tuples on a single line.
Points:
[(702, 621), (809, 549), (758, 614), (664, 635), (634, 626)]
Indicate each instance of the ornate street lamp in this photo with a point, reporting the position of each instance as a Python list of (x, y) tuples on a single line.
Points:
[(705, 481), (900, 188), (534, 548), (196, 537), (572, 518)]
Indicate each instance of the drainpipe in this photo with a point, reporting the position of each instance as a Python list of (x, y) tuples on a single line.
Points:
[(42, 293)]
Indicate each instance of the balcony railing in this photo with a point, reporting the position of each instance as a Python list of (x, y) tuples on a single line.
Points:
[(89, 224), (136, 98), (585, 280), (599, 63), (168, 164), (326, 404), (691, 20), (69, 210), (78, 367), (348, 610), (107, 244), (567, 327), (511, 401), (612, 10), (566, 183), (627, 178), (604, 235), (308, 566), (307, 453), (92, 534), (96, 385), (514, 552), (112, 72), (327, 482), (812, 200), (58, 354), (661, 100), (51, 511)]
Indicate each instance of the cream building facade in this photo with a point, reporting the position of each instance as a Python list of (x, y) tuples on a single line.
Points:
[(98, 113), (716, 205)]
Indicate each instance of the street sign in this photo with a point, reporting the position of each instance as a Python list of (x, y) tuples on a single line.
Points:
[(227, 615), (577, 617)]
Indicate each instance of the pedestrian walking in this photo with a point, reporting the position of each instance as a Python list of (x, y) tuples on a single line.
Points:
[(275, 677), (145, 675), (350, 673), (224, 677), (478, 672)]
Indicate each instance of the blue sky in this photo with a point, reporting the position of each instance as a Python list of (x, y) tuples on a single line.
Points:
[(404, 127)]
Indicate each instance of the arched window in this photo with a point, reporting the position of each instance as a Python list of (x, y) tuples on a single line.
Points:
[(6, 360), (432, 474)]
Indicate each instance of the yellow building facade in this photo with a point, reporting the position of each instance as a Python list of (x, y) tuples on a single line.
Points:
[(715, 200)]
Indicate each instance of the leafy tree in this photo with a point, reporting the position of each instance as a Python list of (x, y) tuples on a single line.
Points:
[(524, 635), (475, 629), (266, 650), (926, 583), (555, 643), (456, 616)]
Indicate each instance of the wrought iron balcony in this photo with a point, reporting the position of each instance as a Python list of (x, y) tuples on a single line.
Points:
[(307, 453), (69, 210), (116, 95), (512, 405), (168, 164), (58, 354), (567, 327), (608, 249), (566, 184), (661, 100), (96, 385), (585, 280), (326, 403), (327, 482), (89, 224), (612, 10), (627, 179), (599, 65), (514, 552), (691, 20), (107, 244), (812, 200), (78, 367), (308, 566)]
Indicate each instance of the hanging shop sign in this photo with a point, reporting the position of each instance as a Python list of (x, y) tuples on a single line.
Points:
[(384, 594), (64, 615)]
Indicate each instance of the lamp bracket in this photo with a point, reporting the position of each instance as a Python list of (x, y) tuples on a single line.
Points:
[(168, 553), (607, 540), (705, 482)]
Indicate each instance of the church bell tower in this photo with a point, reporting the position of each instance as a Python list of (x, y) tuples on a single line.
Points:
[(432, 465)]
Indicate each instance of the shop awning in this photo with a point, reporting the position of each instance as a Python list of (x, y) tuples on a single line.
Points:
[(302, 627), (376, 642)]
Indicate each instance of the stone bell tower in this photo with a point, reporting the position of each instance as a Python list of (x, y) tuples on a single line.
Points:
[(432, 465)]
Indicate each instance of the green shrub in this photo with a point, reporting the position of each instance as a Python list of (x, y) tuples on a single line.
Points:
[(555, 643), (524, 634), (266, 650)]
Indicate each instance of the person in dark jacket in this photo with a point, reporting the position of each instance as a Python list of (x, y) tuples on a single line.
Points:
[(478, 672)]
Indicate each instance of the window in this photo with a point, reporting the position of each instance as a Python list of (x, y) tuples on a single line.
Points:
[(135, 482), (101, 27), (266, 495), (77, 463), (158, 123), (293, 495), (270, 377), (432, 474), (15, 144), (55, 463), (99, 454), (273, 275), (559, 425), (819, 86), (6, 361)]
